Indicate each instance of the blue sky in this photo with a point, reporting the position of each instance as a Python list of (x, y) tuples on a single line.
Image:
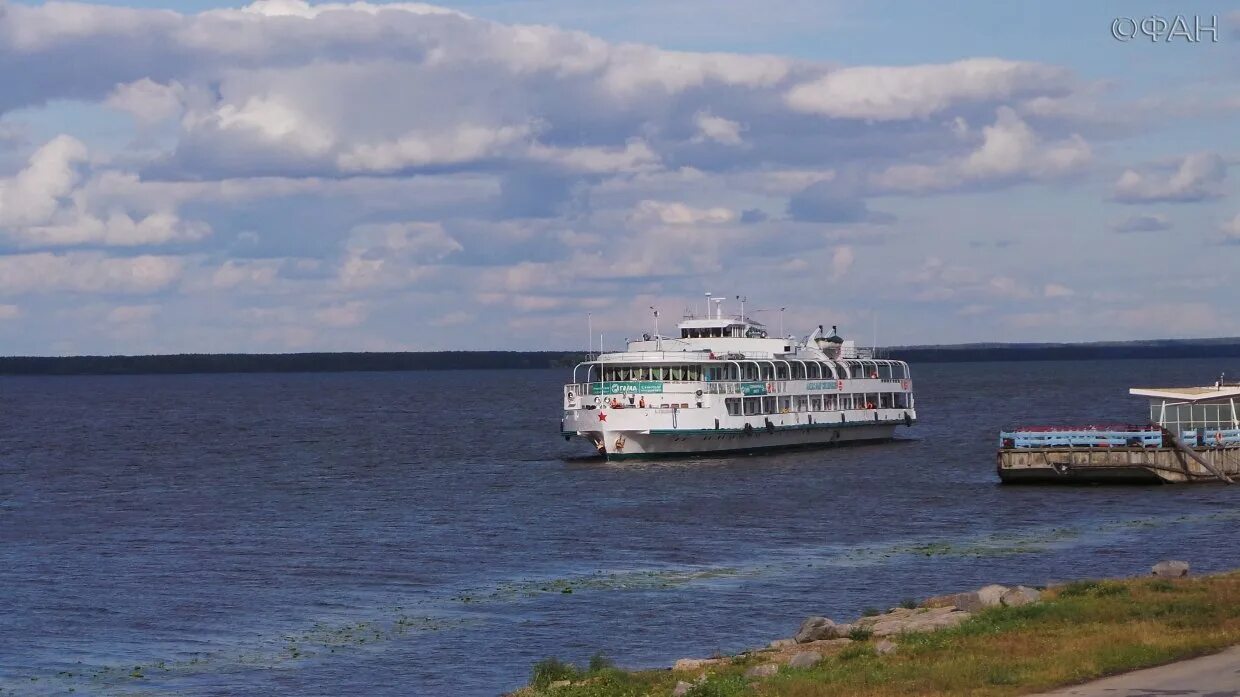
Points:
[(287, 176)]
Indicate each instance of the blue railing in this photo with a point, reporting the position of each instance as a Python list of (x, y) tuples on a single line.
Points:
[(1080, 439), (1114, 438), (1212, 438)]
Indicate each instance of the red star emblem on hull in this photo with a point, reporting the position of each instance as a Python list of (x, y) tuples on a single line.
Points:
[(602, 416)]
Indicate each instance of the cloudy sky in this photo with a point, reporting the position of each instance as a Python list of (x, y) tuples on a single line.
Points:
[(281, 176)]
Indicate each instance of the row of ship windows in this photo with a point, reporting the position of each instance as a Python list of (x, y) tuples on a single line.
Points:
[(755, 370), (748, 406)]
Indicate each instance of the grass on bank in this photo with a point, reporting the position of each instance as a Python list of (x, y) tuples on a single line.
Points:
[(1079, 632)]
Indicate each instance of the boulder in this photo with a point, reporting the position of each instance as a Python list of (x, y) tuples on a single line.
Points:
[(816, 629), (1020, 595), (782, 644), (693, 663), (972, 601), (1170, 569), (682, 688), (884, 647), (765, 670), (805, 659), (901, 620)]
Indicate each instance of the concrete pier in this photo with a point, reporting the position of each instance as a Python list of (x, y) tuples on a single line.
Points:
[(1114, 464)]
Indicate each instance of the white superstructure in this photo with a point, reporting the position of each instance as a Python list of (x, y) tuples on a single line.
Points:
[(723, 384)]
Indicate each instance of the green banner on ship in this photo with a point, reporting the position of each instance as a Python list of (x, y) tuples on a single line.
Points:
[(626, 388), (753, 389)]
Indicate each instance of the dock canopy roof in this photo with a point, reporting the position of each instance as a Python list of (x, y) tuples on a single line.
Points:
[(1188, 394)]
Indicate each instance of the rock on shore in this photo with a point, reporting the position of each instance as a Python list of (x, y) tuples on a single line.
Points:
[(1170, 569)]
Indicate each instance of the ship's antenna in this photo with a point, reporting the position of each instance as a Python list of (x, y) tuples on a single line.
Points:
[(708, 305), (781, 323), (874, 335), (589, 334), (742, 299), (657, 339)]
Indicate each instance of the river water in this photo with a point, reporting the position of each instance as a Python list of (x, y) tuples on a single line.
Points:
[(430, 534)]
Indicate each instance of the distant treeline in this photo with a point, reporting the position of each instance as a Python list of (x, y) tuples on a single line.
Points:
[(1164, 348), (285, 362), (510, 360)]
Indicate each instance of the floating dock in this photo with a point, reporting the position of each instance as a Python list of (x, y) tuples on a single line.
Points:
[(1194, 436)]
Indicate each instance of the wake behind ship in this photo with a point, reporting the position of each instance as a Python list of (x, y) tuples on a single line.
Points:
[(723, 385)]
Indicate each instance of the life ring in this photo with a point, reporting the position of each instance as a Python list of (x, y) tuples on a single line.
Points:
[(570, 396), (698, 393), (598, 400)]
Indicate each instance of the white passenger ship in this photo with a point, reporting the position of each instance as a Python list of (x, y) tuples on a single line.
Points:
[(724, 385)]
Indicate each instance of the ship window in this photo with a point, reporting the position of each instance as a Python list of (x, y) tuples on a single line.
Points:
[(753, 405), (768, 405), (884, 371), (766, 371), (734, 405), (800, 403), (815, 403), (831, 402), (781, 371)]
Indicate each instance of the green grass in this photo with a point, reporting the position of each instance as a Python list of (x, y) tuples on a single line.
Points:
[(1080, 631)]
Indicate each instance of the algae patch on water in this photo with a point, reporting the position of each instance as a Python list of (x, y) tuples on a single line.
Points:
[(600, 581)]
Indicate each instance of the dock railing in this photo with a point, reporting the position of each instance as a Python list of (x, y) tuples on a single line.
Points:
[(1103, 436), (1113, 436)]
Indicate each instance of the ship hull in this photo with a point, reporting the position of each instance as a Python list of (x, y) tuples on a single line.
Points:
[(625, 445)]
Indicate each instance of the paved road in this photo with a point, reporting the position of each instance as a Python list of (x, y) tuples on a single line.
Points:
[(1209, 676)]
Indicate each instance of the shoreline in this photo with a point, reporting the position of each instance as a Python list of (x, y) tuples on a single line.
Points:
[(996, 640)]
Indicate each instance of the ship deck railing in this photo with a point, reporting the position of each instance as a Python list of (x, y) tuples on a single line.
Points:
[(1073, 437)]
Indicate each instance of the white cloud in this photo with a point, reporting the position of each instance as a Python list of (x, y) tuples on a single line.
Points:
[(676, 213), (1056, 290), (148, 101), (1231, 229), (10, 312), (1154, 222), (636, 155), (1009, 151), (1198, 177), (304, 10), (33, 195), (129, 314), (464, 143), (86, 272), (47, 204), (236, 273), (886, 93), (349, 314), (117, 229), (717, 129), (395, 254), (841, 261)]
